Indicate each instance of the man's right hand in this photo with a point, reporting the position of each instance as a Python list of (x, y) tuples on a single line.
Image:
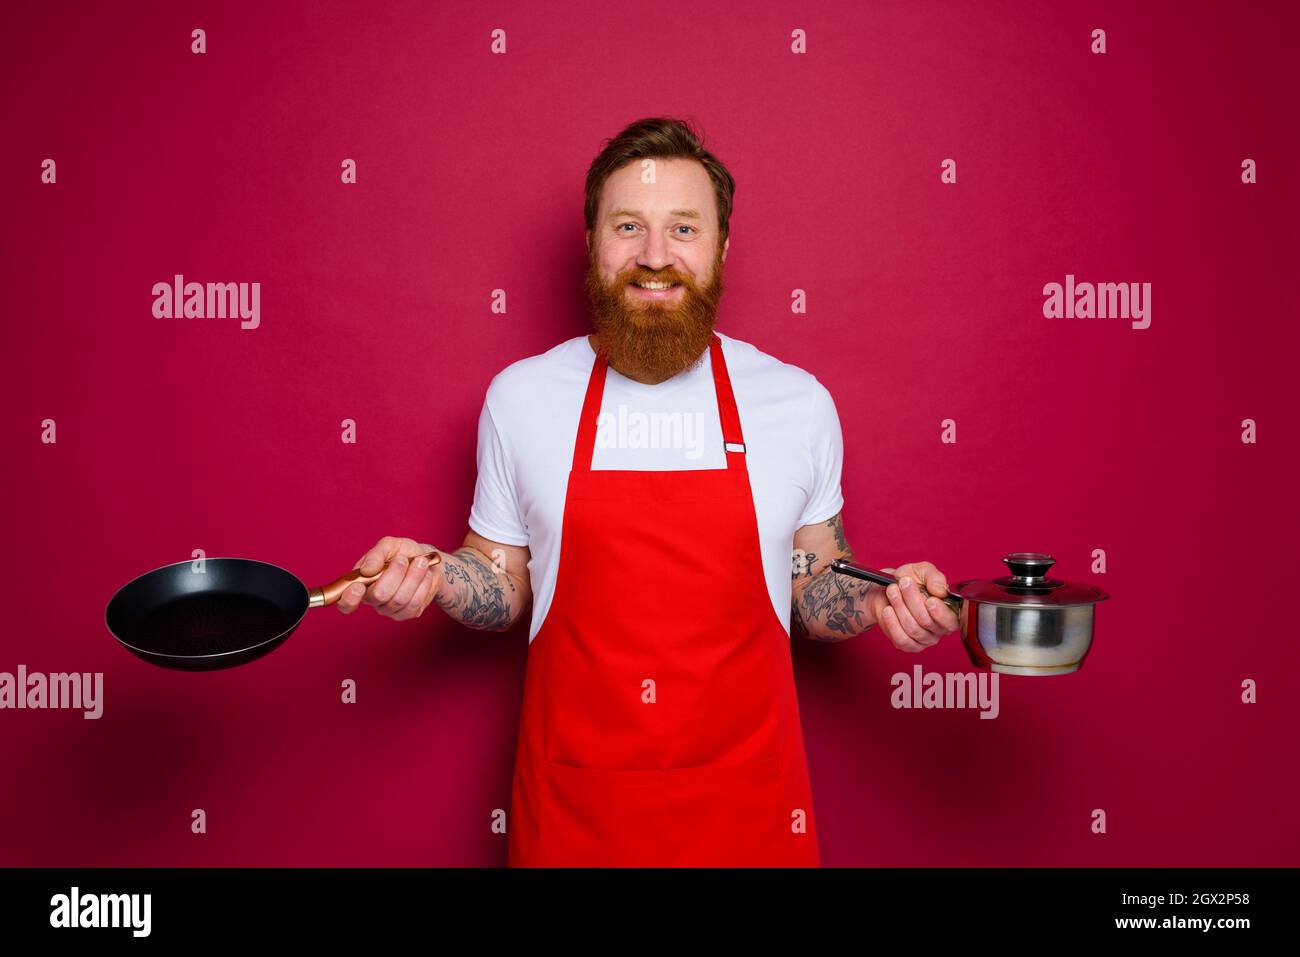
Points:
[(406, 587)]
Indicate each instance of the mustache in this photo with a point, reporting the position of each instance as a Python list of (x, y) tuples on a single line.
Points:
[(640, 275)]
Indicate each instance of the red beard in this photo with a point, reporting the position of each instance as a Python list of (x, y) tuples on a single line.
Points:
[(653, 341)]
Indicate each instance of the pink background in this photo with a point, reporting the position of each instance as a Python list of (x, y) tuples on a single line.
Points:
[(924, 303)]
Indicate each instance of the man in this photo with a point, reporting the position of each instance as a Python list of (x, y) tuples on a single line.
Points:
[(644, 487)]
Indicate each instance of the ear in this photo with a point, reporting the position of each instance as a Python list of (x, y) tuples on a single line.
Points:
[(725, 244)]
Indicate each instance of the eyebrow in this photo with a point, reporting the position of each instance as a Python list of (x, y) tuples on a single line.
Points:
[(683, 213)]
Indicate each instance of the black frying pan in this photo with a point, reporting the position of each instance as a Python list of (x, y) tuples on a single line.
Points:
[(233, 612)]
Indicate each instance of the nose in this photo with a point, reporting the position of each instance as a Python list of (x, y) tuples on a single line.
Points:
[(654, 252)]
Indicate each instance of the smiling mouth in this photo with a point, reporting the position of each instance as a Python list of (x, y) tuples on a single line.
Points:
[(654, 285)]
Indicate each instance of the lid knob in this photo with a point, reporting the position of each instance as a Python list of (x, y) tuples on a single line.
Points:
[(1029, 567)]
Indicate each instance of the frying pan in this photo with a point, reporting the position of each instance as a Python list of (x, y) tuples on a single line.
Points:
[(233, 611)]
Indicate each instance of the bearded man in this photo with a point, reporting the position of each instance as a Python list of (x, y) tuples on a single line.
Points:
[(644, 488)]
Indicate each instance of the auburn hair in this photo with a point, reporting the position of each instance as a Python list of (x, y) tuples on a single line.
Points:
[(659, 138)]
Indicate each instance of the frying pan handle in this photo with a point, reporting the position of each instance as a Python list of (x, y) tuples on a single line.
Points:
[(331, 593), (880, 578)]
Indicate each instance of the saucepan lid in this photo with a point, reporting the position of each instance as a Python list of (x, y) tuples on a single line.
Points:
[(1028, 584)]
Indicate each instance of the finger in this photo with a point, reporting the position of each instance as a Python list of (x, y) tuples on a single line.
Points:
[(415, 573), (420, 600), (889, 622), (933, 580), (386, 585), (905, 619), (350, 600), (915, 602), (944, 617), (372, 561)]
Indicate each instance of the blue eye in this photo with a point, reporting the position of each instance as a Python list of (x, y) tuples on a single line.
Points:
[(620, 226)]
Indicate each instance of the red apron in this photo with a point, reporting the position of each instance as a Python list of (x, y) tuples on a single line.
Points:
[(660, 725)]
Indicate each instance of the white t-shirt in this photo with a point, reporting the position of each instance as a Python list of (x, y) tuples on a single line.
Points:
[(529, 424)]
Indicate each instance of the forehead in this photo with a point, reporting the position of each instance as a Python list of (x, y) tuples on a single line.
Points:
[(678, 183)]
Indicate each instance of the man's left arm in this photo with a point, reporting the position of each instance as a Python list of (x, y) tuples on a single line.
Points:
[(825, 606)]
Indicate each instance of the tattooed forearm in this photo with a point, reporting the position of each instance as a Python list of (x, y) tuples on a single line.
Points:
[(825, 606), (475, 593), (830, 607)]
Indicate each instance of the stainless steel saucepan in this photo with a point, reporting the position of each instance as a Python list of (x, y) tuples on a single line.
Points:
[(1020, 624)]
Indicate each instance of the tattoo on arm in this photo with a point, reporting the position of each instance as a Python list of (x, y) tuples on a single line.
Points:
[(831, 607), (797, 628), (836, 525), (826, 606), (476, 594), (801, 563)]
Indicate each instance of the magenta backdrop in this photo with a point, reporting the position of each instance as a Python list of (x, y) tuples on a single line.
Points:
[(925, 303)]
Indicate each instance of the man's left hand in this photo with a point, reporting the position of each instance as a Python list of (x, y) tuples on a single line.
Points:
[(912, 621)]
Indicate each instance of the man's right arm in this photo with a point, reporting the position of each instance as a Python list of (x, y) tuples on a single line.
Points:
[(483, 584)]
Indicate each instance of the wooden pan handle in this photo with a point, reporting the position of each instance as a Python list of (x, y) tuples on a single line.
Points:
[(331, 593)]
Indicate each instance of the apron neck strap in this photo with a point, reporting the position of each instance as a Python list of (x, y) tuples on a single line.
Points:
[(733, 439)]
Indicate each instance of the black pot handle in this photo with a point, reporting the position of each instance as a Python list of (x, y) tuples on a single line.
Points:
[(842, 567)]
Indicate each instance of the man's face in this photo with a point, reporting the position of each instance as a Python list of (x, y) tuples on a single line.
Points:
[(664, 232)]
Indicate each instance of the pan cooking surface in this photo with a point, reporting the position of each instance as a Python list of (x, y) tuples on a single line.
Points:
[(234, 609), (209, 623)]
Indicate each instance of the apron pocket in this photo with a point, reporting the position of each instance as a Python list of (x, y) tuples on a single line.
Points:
[(733, 815)]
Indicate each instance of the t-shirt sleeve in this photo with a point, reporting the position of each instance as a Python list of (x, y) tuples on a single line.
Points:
[(826, 452), (495, 512)]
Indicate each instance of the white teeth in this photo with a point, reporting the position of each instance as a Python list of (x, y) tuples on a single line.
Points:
[(655, 285)]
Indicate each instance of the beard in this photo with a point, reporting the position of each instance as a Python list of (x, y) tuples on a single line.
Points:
[(647, 340)]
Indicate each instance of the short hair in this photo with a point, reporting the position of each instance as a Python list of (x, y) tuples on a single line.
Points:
[(660, 138)]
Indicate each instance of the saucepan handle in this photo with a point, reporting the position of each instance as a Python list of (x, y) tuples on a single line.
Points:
[(881, 578), (331, 593)]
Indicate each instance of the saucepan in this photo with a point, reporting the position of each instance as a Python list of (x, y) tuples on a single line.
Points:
[(202, 615), (1020, 624)]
